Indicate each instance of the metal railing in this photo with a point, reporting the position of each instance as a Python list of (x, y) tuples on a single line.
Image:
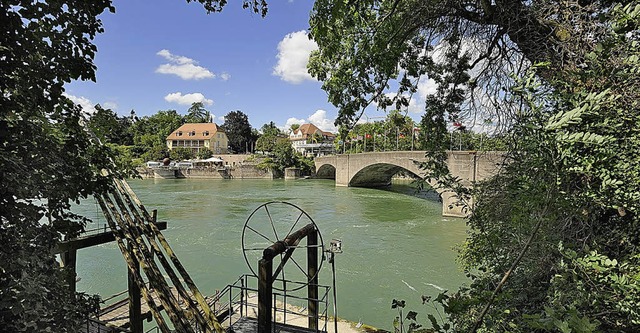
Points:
[(240, 300)]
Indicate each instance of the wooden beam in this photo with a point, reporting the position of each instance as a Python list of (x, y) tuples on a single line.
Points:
[(93, 240), (264, 295)]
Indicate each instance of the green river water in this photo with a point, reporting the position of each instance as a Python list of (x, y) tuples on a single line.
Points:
[(396, 243)]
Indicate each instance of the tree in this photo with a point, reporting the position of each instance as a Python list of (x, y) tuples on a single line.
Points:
[(110, 128), (197, 114), (48, 159), (270, 134), (284, 156), (294, 127), (366, 45), (180, 154), (150, 133), (236, 125), (554, 239), (204, 153)]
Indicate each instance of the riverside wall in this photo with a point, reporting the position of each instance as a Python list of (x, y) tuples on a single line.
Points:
[(235, 166)]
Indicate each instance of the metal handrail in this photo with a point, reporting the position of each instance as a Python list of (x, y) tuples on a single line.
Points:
[(238, 301)]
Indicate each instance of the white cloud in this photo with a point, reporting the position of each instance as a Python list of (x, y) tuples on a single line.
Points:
[(187, 99), (110, 105), (86, 104), (185, 68), (290, 122), (293, 56), (318, 118), (426, 86), (225, 76)]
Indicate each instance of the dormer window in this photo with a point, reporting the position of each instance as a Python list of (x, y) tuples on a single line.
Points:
[(179, 133), (206, 133), (192, 133)]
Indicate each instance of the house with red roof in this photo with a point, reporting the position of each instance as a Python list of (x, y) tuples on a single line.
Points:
[(309, 140), (197, 136)]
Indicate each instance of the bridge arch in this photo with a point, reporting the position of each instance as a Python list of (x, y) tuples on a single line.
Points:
[(326, 171), (375, 169), (380, 174)]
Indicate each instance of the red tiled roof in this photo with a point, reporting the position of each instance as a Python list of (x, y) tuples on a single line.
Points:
[(307, 129), (195, 131)]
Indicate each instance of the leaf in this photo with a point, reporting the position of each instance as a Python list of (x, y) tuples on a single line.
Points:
[(434, 322)]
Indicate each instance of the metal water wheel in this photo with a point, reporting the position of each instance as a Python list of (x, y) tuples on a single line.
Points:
[(273, 222)]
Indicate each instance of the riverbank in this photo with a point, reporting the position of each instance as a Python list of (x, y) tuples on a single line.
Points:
[(231, 167)]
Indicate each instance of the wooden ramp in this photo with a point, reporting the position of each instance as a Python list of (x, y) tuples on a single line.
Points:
[(170, 292)]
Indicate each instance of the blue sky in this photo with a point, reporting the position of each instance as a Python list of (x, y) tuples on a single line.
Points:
[(159, 55)]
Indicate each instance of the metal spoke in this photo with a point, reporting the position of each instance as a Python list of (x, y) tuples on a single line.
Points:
[(259, 233), (301, 269), (275, 212), (271, 221), (304, 246), (255, 249), (294, 225)]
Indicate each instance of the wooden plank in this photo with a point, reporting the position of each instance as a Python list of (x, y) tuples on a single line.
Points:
[(142, 254), (143, 288), (200, 299)]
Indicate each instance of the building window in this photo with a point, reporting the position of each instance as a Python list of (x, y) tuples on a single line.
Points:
[(174, 143), (206, 133), (179, 133)]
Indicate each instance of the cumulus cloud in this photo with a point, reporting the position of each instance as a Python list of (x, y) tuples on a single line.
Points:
[(187, 99), (86, 104), (318, 118), (292, 121), (225, 76), (110, 105), (185, 68), (293, 56)]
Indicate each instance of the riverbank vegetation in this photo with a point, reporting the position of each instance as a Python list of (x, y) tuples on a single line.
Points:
[(554, 239)]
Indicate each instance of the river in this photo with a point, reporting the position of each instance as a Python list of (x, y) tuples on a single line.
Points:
[(396, 243)]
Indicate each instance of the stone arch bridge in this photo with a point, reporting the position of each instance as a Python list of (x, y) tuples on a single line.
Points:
[(376, 169)]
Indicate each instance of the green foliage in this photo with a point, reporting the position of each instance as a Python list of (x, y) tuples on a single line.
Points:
[(284, 156), (110, 128), (155, 153), (572, 172), (181, 154), (411, 318), (47, 158), (236, 125), (197, 114), (204, 153), (392, 134), (270, 135), (573, 169), (150, 133)]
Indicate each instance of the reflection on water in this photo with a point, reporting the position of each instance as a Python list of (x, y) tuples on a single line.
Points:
[(396, 245)]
